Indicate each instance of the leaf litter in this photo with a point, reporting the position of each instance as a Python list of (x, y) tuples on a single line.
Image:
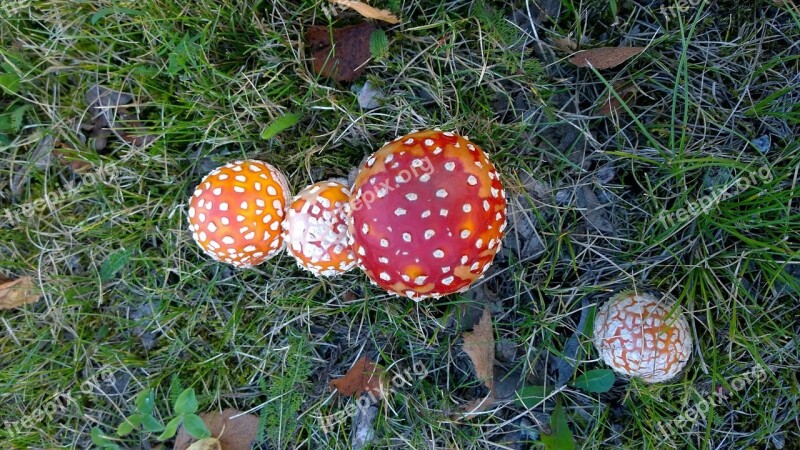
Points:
[(605, 57), (479, 345), (111, 110), (368, 11), (363, 378), (19, 292), (342, 56), (233, 429)]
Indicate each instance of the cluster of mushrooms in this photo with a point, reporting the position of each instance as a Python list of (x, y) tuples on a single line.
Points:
[(423, 219)]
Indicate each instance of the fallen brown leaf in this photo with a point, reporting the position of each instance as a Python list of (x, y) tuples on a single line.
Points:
[(344, 59), (206, 444), (364, 376), (233, 434), (605, 57), (626, 91), (479, 345), (66, 156), (477, 406), (14, 293), (368, 11), (566, 44), (111, 111)]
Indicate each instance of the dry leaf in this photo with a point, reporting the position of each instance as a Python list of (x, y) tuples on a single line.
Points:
[(477, 406), (626, 91), (566, 44), (479, 345), (66, 156), (364, 376), (110, 111), (605, 57), (344, 59), (233, 433), (206, 444), (368, 11), (14, 293)]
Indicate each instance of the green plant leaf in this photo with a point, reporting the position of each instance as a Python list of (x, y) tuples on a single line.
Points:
[(114, 10), (281, 123), (11, 122), (113, 263), (530, 396), (151, 424), (596, 381), (100, 440), (560, 437), (129, 424), (186, 402), (145, 402), (175, 388), (170, 429), (378, 44), (195, 426), (9, 80)]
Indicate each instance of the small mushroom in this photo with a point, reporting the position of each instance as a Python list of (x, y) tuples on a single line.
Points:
[(427, 215), (236, 212), (640, 335), (315, 229)]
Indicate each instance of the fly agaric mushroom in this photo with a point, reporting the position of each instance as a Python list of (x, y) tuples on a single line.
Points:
[(427, 215), (236, 212), (640, 335), (315, 229)]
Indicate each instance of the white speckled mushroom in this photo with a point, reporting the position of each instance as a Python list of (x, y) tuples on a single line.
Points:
[(315, 229), (236, 212), (427, 215), (641, 335)]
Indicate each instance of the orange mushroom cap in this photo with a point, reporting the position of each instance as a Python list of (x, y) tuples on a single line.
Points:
[(315, 229), (640, 335), (427, 215), (236, 212)]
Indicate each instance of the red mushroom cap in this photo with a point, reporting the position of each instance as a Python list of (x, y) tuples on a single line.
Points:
[(236, 212), (315, 229), (427, 215)]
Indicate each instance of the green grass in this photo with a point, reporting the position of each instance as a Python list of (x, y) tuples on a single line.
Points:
[(130, 303)]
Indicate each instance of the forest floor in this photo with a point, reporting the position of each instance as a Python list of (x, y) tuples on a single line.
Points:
[(675, 171)]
